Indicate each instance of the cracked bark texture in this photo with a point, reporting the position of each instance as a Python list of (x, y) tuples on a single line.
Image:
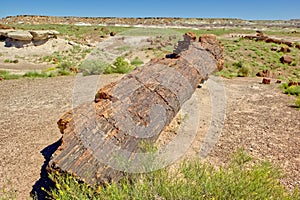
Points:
[(132, 110)]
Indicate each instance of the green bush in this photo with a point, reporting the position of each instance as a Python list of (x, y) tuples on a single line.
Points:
[(92, 67), (137, 62), (293, 90), (120, 66), (290, 90), (244, 71), (297, 102), (11, 61), (62, 72), (238, 64), (7, 75), (35, 74), (192, 180)]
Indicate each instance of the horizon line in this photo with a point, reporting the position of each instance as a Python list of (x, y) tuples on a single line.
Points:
[(148, 17)]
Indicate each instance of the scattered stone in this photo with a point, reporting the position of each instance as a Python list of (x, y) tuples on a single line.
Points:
[(274, 49), (291, 83), (73, 43), (278, 81), (193, 36), (266, 81), (285, 49), (20, 35), (265, 73), (21, 38), (297, 46), (43, 34), (112, 33), (259, 33), (273, 40), (286, 59), (290, 44), (1, 78), (74, 69)]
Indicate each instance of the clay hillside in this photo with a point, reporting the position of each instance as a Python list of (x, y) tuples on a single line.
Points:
[(158, 21)]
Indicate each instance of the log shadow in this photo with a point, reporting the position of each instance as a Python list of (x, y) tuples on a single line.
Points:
[(44, 181)]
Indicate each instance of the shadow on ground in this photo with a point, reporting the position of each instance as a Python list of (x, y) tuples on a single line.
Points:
[(44, 181)]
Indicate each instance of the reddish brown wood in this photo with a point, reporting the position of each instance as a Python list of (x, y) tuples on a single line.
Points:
[(146, 100)]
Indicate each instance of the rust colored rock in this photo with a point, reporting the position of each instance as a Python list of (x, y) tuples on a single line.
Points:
[(266, 81), (99, 136), (290, 44), (274, 49), (192, 35), (273, 40), (265, 73), (210, 43), (278, 81), (74, 69), (286, 59), (259, 33), (285, 49), (297, 46), (291, 83), (1, 78)]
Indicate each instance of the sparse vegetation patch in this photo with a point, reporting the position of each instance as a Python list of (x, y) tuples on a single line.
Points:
[(192, 180)]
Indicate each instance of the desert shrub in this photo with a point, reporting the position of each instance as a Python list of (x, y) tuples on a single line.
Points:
[(65, 65), (11, 61), (62, 72), (120, 66), (92, 67), (137, 62), (238, 64), (293, 90), (226, 74), (192, 180), (297, 102), (35, 74), (7, 75), (244, 71), (290, 90)]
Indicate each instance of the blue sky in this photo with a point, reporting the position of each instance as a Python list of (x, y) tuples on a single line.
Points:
[(253, 9)]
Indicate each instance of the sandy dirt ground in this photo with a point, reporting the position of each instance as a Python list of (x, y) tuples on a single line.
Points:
[(259, 118)]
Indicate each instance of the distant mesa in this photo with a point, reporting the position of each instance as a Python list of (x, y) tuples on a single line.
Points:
[(151, 21)]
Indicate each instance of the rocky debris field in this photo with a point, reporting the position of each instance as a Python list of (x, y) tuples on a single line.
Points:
[(259, 118)]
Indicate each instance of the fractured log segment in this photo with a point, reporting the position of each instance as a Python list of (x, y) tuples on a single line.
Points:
[(98, 136)]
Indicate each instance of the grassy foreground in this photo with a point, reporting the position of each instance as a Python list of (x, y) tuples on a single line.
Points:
[(192, 180)]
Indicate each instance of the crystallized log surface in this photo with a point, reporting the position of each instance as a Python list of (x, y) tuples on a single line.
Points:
[(100, 136)]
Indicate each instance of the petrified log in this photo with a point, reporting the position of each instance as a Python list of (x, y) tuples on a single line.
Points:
[(267, 39), (100, 136)]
